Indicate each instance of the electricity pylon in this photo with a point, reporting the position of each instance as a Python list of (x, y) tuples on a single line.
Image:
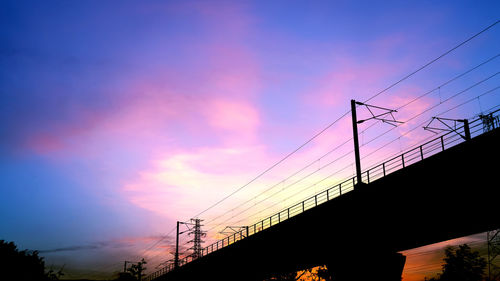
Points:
[(198, 234)]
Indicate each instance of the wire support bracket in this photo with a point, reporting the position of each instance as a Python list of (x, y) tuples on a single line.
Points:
[(449, 127), (385, 114), (229, 230)]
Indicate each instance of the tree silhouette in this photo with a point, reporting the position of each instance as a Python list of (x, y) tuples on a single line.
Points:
[(324, 273), (136, 269), (462, 264), (23, 265)]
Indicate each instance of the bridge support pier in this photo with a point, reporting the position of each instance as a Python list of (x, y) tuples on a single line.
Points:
[(370, 266)]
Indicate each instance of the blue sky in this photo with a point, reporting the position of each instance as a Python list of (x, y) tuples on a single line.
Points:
[(120, 117)]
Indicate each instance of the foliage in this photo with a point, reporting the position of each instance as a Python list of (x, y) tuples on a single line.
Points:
[(23, 265), (462, 264), (136, 269), (324, 273)]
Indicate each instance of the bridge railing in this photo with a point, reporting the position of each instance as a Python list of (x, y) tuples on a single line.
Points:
[(421, 152), (378, 171)]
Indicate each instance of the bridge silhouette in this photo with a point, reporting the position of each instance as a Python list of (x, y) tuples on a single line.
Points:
[(445, 188)]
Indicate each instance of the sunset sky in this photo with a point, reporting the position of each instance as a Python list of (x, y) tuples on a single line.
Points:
[(118, 118)]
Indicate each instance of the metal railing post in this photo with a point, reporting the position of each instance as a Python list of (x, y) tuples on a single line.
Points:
[(466, 129)]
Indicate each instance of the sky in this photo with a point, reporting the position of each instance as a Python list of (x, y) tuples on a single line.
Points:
[(119, 118)]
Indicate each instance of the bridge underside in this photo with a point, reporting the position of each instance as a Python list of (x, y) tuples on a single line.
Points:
[(451, 194)]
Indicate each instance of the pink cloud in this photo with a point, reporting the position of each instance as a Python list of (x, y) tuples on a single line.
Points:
[(352, 80), (184, 134), (358, 77), (186, 181), (240, 118), (44, 143), (152, 111), (169, 98)]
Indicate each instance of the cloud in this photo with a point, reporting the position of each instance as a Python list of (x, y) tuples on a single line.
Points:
[(358, 72), (153, 241), (188, 180), (56, 108), (238, 118), (75, 248)]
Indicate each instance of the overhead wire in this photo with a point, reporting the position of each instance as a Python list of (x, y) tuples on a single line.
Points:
[(372, 97), (426, 121), (342, 116), (300, 191), (432, 107), (286, 187), (440, 86), (345, 114), (234, 216), (449, 81), (415, 116), (157, 242), (273, 166), (284, 180), (399, 108), (433, 61), (101, 270)]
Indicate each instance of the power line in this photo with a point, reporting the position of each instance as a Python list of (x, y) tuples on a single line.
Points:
[(279, 191), (287, 178), (107, 266), (432, 107), (282, 181), (400, 107), (426, 110), (422, 123), (432, 61), (455, 107), (302, 190), (157, 242), (449, 81), (345, 114), (439, 87), (274, 165)]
